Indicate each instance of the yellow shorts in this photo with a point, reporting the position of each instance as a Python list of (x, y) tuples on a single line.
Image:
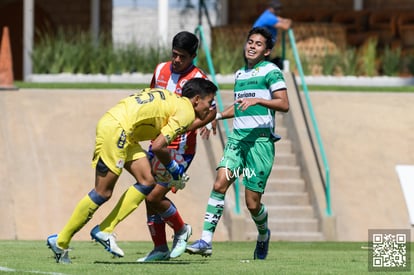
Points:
[(111, 145)]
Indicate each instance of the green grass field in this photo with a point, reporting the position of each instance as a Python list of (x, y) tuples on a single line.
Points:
[(33, 257)]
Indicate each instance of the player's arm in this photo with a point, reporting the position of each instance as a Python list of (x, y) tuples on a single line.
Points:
[(206, 125), (283, 23), (198, 123), (160, 149), (227, 113), (178, 123)]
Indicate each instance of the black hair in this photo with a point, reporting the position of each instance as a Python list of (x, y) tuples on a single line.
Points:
[(275, 4), (198, 86), (265, 33), (186, 41)]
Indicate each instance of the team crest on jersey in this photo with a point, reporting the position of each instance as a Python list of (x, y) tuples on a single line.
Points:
[(238, 74), (255, 72), (120, 163)]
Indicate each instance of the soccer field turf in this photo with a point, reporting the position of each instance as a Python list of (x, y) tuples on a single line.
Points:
[(33, 257)]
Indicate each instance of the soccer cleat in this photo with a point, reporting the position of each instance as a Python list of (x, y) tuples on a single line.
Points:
[(107, 240), (260, 253), (61, 255), (180, 242), (200, 247), (155, 255)]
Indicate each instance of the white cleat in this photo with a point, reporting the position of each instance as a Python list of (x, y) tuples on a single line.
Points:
[(155, 256), (180, 242), (107, 240), (61, 255)]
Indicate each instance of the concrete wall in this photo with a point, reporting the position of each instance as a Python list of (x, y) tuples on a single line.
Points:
[(47, 140), (46, 144)]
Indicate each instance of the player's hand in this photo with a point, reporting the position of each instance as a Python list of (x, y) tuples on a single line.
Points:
[(176, 185), (176, 170), (245, 103), (206, 130)]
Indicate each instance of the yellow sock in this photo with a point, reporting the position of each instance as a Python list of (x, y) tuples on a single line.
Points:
[(81, 215), (125, 206)]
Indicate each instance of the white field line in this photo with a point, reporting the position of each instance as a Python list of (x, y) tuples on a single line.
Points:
[(6, 269)]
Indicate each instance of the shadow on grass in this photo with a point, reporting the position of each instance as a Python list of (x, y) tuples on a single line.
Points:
[(154, 262)]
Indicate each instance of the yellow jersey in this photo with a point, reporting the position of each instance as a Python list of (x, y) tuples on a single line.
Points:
[(146, 114)]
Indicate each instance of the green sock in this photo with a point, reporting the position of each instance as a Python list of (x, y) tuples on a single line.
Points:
[(261, 223), (213, 214)]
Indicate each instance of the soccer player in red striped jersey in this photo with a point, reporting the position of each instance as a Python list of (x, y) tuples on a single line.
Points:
[(170, 75)]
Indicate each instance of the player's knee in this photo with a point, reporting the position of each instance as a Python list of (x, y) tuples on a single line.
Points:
[(222, 182), (101, 167), (98, 198), (144, 189)]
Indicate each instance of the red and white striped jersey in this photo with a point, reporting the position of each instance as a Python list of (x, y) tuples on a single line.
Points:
[(165, 78)]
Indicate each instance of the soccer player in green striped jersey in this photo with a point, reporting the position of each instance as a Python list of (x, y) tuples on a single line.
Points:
[(259, 91)]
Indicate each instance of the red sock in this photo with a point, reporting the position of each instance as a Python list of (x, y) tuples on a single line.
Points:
[(158, 235), (175, 221)]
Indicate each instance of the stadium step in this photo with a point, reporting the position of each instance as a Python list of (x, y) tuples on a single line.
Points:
[(286, 225), (291, 236), (284, 198), (292, 216), (285, 185)]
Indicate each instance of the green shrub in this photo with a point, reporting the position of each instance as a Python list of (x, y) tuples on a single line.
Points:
[(410, 64), (391, 61), (74, 51), (330, 63), (367, 58), (349, 62)]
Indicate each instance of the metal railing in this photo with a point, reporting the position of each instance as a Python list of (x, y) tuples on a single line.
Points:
[(200, 32), (327, 181)]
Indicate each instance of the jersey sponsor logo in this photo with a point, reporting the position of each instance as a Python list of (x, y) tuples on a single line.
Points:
[(121, 140), (245, 94), (161, 83)]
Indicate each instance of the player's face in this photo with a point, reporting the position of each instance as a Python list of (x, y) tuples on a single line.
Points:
[(255, 49), (202, 106), (181, 60)]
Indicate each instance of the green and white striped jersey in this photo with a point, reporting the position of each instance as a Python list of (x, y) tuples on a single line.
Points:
[(256, 122)]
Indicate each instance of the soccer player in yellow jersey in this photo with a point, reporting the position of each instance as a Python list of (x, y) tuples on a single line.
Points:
[(170, 75), (152, 114)]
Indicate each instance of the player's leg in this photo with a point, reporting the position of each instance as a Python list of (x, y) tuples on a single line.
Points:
[(160, 210), (128, 202), (105, 178), (230, 162), (156, 227), (169, 213), (82, 213), (259, 162), (214, 211)]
